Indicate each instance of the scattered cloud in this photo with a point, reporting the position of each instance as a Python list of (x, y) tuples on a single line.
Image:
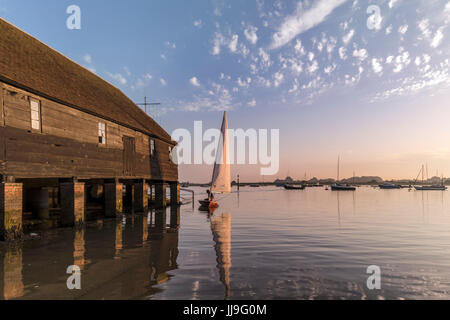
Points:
[(198, 23), (194, 81), (438, 37), (377, 66), (250, 34), (87, 58), (118, 78), (163, 81), (348, 37), (303, 20)]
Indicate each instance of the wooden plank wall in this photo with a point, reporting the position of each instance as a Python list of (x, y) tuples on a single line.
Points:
[(68, 145)]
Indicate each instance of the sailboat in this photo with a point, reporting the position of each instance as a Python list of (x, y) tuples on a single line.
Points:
[(340, 187), (221, 178), (428, 188)]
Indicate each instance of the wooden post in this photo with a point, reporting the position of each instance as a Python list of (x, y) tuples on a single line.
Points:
[(113, 199), (140, 202), (160, 227), (160, 195), (11, 209), (73, 203), (175, 218), (175, 194)]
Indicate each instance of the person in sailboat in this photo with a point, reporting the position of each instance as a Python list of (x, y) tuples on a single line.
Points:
[(210, 197)]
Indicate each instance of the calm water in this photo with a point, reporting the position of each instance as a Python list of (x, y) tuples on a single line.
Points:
[(263, 243)]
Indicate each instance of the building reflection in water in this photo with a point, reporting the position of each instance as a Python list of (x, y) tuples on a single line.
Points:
[(12, 282), (119, 238), (163, 245), (221, 230), (147, 252), (79, 248)]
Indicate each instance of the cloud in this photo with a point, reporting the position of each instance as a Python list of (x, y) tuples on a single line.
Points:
[(329, 69), (401, 61), (198, 23), (265, 58), (117, 77), (252, 103), (163, 56), (194, 81), (313, 67), (403, 29), (348, 37), (250, 34), (299, 48), (343, 53), (389, 29), (361, 54), (278, 79), (233, 43), (244, 83), (87, 58), (376, 65), (303, 20), (392, 3), (171, 45), (437, 39), (163, 81)]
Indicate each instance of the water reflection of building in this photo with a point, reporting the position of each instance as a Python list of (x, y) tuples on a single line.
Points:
[(79, 248), (164, 245), (25, 271), (12, 283), (221, 230)]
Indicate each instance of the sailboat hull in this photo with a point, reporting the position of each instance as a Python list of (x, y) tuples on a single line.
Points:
[(431, 188), (208, 204), (342, 188)]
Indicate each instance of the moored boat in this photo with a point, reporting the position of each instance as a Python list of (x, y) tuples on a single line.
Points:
[(430, 188), (389, 186), (341, 187), (294, 187)]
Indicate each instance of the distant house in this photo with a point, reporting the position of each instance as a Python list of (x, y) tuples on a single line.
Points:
[(63, 126)]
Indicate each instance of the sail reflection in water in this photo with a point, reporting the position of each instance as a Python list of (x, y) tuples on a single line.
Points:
[(221, 230)]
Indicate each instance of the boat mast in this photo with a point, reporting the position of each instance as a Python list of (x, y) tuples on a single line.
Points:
[(338, 165)]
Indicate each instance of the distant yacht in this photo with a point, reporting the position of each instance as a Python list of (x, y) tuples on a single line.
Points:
[(389, 186), (340, 187), (294, 187), (432, 188), (423, 187)]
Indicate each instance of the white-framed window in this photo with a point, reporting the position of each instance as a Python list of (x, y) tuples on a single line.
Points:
[(101, 133), (152, 147), (35, 108)]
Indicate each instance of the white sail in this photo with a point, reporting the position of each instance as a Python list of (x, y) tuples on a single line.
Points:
[(221, 179)]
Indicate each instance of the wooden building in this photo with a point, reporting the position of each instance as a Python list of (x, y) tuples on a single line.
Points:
[(62, 126)]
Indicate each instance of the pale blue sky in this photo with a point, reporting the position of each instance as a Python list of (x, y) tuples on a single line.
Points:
[(312, 69)]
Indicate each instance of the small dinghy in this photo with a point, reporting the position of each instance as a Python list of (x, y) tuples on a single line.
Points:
[(208, 204), (221, 178)]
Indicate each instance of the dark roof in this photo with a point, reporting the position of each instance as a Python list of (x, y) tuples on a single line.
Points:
[(30, 64)]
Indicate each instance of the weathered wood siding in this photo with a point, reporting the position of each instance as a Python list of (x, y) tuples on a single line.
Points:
[(67, 144)]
